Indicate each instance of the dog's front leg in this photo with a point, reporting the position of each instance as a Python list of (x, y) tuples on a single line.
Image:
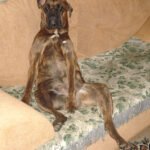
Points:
[(38, 45), (30, 81), (68, 51)]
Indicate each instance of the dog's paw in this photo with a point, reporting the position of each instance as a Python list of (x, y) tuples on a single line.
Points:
[(58, 123), (71, 107), (128, 146), (25, 99), (57, 126)]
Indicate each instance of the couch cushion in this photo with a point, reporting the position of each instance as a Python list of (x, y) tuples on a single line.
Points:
[(21, 127)]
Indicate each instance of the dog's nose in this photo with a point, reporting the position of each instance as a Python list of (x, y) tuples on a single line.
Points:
[(53, 21)]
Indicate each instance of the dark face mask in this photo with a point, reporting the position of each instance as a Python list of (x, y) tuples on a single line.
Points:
[(54, 16)]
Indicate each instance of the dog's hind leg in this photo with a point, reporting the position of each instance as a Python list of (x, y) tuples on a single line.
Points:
[(45, 102), (101, 95)]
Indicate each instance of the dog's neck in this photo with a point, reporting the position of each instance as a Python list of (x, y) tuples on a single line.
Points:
[(57, 33)]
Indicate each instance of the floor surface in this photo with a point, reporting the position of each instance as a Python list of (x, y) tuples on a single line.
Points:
[(144, 133)]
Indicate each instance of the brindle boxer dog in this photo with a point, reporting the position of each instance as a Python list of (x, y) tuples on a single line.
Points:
[(54, 67)]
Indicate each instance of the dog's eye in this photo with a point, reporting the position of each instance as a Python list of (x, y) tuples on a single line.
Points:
[(59, 7), (47, 8)]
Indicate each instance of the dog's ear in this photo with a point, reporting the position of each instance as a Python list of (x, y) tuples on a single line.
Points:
[(68, 7), (40, 3)]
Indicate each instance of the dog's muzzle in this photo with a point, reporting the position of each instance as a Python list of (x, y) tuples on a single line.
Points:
[(54, 16)]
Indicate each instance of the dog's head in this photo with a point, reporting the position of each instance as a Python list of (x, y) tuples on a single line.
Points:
[(55, 13)]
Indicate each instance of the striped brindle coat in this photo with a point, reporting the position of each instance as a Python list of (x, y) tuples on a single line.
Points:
[(55, 71)]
